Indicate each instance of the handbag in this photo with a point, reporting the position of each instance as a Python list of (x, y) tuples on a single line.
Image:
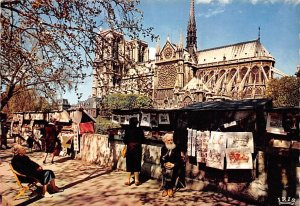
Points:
[(124, 151)]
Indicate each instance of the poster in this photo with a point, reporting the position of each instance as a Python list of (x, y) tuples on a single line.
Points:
[(193, 143), (201, 145), (164, 118), (198, 146), (216, 150), (115, 119), (218, 139), (215, 157), (189, 142), (274, 123), (76, 142), (238, 158), (145, 121), (240, 140)]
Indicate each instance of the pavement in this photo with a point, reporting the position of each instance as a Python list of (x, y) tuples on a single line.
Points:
[(90, 184)]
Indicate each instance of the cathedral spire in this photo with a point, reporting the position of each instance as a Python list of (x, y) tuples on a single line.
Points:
[(258, 38), (157, 51), (180, 41), (191, 38)]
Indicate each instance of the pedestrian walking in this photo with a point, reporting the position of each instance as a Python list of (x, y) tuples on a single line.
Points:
[(51, 140)]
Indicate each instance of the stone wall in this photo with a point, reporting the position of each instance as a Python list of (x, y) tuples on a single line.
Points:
[(101, 150)]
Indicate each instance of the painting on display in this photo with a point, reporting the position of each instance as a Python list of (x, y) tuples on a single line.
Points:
[(274, 123), (145, 121), (240, 140), (115, 119), (238, 158), (164, 118)]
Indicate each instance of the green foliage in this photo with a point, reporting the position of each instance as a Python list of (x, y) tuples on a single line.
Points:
[(284, 91), (126, 101), (103, 124)]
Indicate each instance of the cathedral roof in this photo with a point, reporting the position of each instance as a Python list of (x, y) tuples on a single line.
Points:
[(195, 83), (231, 52)]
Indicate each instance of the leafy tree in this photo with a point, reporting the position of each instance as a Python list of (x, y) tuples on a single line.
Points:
[(48, 45), (284, 91), (126, 101), (27, 101)]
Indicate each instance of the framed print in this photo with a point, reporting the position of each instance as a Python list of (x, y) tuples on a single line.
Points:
[(154, 120), (164, 118), (115, 119), (145, 121), (274, 123)]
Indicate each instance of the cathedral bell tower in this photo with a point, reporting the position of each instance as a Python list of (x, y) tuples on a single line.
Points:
[(191, 38)]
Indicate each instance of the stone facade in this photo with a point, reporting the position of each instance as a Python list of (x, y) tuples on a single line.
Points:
[(179, 76)]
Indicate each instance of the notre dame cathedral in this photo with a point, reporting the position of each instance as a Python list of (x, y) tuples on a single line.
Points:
[(180, 75)]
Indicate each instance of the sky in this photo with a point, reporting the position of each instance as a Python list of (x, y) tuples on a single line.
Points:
[(225, 22)]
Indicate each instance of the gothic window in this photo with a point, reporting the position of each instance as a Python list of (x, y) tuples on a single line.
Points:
[(232, 72), (187, 100), (267, 70), (115, 49), (168, 53), (243, 72), (255, 74), (166, 76), (206, 78), (141, 53)]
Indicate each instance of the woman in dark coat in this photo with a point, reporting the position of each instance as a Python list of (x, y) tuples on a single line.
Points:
[(51, 140), (133, 138), (24, 165)]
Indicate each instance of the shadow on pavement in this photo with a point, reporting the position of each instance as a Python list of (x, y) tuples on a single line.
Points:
[(91, 176), (61, 160)]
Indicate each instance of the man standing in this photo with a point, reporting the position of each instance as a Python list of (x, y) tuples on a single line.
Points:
[(170, 162)]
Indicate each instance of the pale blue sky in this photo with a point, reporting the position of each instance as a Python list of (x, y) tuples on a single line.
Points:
[(223, 22)]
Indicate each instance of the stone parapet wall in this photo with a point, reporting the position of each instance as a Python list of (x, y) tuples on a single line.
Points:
[(100, 150)]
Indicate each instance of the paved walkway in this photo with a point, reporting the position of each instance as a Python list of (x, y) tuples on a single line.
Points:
[(90, 184)]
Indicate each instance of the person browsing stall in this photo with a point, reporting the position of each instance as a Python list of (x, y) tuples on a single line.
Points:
[(133, 138)]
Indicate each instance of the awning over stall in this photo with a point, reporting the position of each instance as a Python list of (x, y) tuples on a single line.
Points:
[(246, 104)]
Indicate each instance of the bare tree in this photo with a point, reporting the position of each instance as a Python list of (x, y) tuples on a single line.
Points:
[(48, 45)]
